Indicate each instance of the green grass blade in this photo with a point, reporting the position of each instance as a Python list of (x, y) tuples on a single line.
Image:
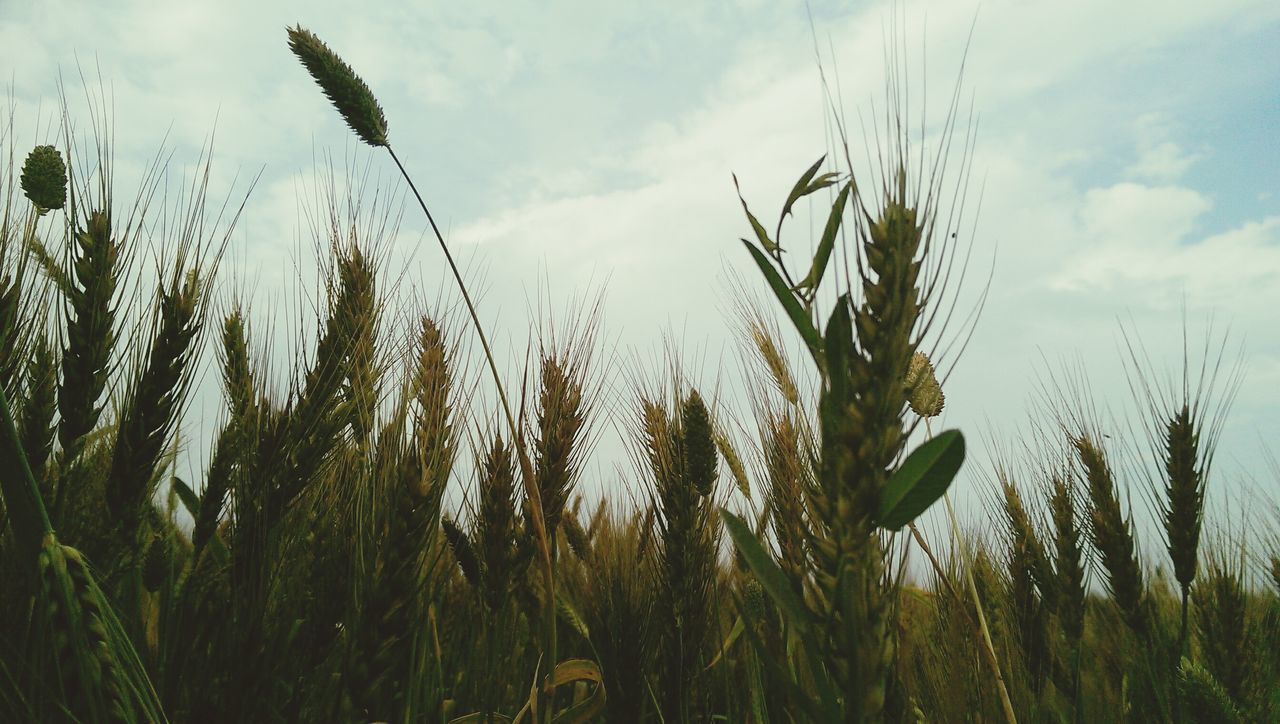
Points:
[(189, 499), (798, 191), (771, 577), (794, 309), (825, 246), (761, 234)]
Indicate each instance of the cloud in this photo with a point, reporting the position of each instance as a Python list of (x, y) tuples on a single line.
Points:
[(578, 143)]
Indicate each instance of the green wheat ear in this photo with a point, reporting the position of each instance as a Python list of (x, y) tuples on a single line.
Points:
[(349, 94), (44, 179)]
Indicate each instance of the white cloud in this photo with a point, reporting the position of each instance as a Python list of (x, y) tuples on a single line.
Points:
[(1159, 162), (598, 142)]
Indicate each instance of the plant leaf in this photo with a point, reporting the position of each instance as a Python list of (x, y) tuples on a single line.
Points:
[(729, 641), (819, 710), (823, 181), (771, 577), (571, 671), (838, 348), (828, 242), (921, 479), (761, 234), (799, 191), (794, 310), (189, 499)]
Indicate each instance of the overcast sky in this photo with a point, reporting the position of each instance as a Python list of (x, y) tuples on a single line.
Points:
[(1126, 159)]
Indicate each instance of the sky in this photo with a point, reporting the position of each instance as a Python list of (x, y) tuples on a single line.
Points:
[(1124, 169)]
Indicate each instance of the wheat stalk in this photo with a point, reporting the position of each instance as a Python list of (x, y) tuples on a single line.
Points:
[(1221, 621), (357, 105), (557, 444), (1112, 535), (35, 428), (90, 337), (153, 403)]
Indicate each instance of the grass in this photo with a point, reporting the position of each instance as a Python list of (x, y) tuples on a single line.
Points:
[(339, 560)]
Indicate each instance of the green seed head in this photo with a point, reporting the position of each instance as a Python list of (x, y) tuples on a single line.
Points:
[(699, 445), (349, 94), (44, 178), (753, 598), (155, 564), (924, 394)]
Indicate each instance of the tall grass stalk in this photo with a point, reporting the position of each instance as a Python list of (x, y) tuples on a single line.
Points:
[(360, 109)]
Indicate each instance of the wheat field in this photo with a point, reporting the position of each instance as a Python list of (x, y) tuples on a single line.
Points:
[(362, 545)]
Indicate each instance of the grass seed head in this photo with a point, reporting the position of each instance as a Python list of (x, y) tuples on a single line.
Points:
[(151, 410), (1112, 535), (1068, 560), (155, 564), (90, 332), (557, 450), (1203, 698), (36, 425), (44, 179), (348, 93), (924, 394), (1185, 493), (463, 551), (699, 445), (1222, 621)]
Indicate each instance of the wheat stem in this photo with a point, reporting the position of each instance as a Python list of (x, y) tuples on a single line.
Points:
[(977, 603), (526, 467), (26, 510)]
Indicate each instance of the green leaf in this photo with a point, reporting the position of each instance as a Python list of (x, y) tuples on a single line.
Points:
[(823, 181), (828, 242), (761, 234), (794, 310), (838, 347), (734, 632), (921, 479), (189, 499), (771, 577), (821, 710), (799, 191)]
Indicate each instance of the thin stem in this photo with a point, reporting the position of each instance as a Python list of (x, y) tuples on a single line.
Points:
[(22, 514), (933, 560), (977, 602), (526, 467), (777, 255)]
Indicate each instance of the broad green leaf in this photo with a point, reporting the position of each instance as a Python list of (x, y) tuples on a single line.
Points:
[(921, 479), (189, 499), (789, 302), (761, 234), (771, 577), (827, 244), (799, 190)]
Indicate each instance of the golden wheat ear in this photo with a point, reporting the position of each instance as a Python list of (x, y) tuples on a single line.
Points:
[(348, 93)]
